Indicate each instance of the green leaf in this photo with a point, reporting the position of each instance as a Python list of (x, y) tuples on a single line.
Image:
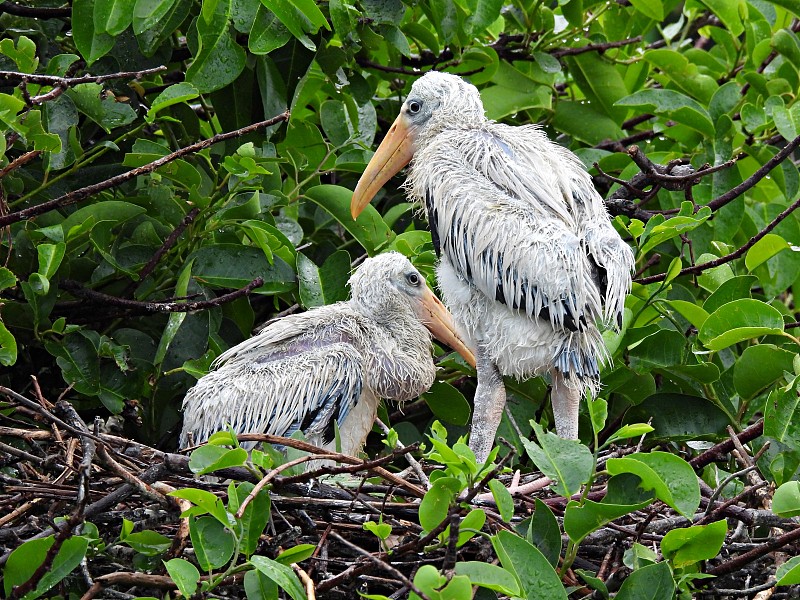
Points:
[(602, 84), (781, 414), (380, 530), (489, 576), (299, 17), (786, 501), (435, 505), (174, 94), (107, 112), (8, 347), (674, 105), (474, 520), (234, 266), (544, 532), (696, 315), (680, 416), (582, 519), (267, 33), (184, 574), (92, 44), (759, 367), (175, 318), (112, 16), (323, 285), (585, 122), (690, 545), (207, 459), (764, 249), (281, 575), (653, 582), (633, 430), (671, 478), (728, 13), (789, 572), (503, 500), (25, 559), (738, 321), (207, 502), (734, 288), (255, 517), (447, 403), (219, 59), (147, 542), (664, 348), (536, 577), (369, 229), (212, 541), (598, 411), (295, 554), (258, 586), (567, 462), (650, 8), (154, 21), (50, 257)]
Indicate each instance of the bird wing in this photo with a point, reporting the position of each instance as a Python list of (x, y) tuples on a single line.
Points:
[(277, 383), (505, 228)]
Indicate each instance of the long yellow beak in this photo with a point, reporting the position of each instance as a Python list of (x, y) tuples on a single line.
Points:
[(439, 322), (393, 154)]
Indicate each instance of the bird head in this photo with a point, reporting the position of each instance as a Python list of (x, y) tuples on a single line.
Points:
[(387, 285), (437, 101)]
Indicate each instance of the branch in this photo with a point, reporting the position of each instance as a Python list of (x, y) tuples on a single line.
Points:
[(76, 289), (558, 53), (694, 269), (723, 448), (737, 191), (65, 82), (85, 192), (19, 10)]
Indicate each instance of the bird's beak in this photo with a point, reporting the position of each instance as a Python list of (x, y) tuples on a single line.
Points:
[(393, 154), (439, 322)]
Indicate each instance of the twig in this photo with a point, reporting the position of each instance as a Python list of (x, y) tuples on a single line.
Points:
[(54, 80), (276, 471), (383, 565), (19, 161), (77, 289), (19, 10), (739, 252), (168, 243), (79, 194), (308, 583), (723, 448), (731, 565), (423, 478), (572, 51)]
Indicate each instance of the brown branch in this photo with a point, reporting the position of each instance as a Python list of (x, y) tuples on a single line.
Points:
[(85, 192), (67, 82), (762, 172), (19, 161), (570, 51), (694, 269), (722, 449), (76, 289), (20, 10), (731, 565), (168, 243)]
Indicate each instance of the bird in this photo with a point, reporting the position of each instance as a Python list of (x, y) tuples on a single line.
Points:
[(529, 264), (329, 366)]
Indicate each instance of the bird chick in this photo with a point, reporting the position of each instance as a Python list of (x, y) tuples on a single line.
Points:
[(329, 365)]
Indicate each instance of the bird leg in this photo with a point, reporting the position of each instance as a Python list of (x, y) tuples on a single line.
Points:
[(566, 404), (490, 400)]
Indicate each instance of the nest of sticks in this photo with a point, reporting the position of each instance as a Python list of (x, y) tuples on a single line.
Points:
[(53, 465)]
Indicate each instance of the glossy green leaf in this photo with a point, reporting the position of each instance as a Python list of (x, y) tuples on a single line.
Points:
[(653, 582), (174, 94), (544, 533), (503, 499), (670, 477), (8, 347), (690, 545), (295, 554), (258, 586), (472, 522), (489, 576), (764, 249), (581, 519), (737, 321), (760, 366), (734, 288), (212, 541), (672, 104), (325, 284), (184, 574), (567, 462), (112, 16), (680, 416), (786, 501), (435, 505), (536, 577), (782, 414), (281, 575), (220, 59), (91, 43), (207, 459), (447, 403), (789, 572), (26, 558), (369, 228)]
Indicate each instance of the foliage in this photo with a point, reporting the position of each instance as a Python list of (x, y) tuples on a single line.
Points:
[(133, 252)]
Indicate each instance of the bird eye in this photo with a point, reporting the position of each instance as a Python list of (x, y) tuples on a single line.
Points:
[(413, 279), (414, 107)]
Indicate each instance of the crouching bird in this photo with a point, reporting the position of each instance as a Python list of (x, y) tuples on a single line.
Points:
[(529, 261), (329, 365)]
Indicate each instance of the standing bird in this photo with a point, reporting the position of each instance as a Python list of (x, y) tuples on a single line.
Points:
[(331, 364), (529, 261)]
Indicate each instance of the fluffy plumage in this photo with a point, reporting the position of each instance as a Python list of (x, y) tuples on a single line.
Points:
[(330, 364), (530, 264)]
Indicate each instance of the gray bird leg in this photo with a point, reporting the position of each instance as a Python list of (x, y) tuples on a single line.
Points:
[(566, 404), (490, 400)]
